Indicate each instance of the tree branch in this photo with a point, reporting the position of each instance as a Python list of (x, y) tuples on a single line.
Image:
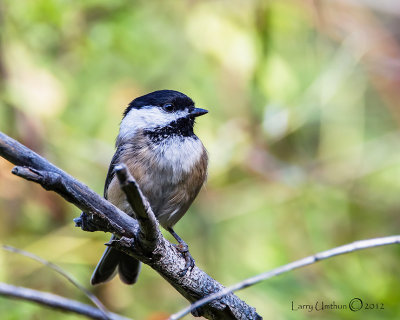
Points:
[(351, 247), (149, 232), (56, 268), (164, 258), (56, 302)]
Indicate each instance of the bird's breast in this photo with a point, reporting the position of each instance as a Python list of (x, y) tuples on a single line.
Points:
[(169, 173), (178, 155)]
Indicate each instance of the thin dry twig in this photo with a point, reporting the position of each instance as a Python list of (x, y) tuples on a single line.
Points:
[(351, 247), (56, 268), (56, 302), (149, 231)]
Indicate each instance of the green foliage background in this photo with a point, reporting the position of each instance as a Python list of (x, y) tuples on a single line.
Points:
[(303, 138)]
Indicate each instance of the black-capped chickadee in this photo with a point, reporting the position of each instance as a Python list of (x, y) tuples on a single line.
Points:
[(169, 162)]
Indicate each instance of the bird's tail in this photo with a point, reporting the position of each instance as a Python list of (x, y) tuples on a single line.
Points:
[(112, 261)]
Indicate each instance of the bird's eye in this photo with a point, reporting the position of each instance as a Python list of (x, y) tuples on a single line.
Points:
[(169, 107)]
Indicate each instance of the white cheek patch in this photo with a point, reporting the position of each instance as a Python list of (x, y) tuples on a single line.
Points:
[(148, 117)]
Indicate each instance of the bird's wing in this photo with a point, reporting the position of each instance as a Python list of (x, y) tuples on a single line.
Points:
[(111, 173)]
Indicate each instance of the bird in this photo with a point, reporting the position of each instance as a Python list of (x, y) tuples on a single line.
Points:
[(169, 162)]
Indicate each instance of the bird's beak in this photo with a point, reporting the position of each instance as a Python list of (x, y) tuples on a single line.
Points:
[(197, 112)]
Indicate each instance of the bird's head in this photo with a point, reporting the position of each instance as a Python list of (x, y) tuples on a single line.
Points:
[(160, 114)]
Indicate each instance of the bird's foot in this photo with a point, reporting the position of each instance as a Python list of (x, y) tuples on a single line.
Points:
[(184, 250)]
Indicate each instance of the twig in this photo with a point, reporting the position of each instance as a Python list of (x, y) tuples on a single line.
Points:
[(91, 296), (149, 231), (55, 301), (351, 247), (165, 259)]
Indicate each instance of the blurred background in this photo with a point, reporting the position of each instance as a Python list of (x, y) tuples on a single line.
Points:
[(303, 138)]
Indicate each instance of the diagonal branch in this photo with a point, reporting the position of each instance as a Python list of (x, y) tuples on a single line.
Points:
[(56, 302), (351, 247), (148, 225), (102, 215)]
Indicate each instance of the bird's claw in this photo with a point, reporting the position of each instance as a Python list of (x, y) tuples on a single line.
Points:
[(184, 250)]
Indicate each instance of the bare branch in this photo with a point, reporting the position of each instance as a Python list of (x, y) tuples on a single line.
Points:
[(351, 247), (56, 302), (149, 231), (77, 193), (165, 259), (60, 271)]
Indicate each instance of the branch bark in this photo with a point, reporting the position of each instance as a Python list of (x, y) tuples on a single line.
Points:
[(149, 232), (56, 302), (134, 238)]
